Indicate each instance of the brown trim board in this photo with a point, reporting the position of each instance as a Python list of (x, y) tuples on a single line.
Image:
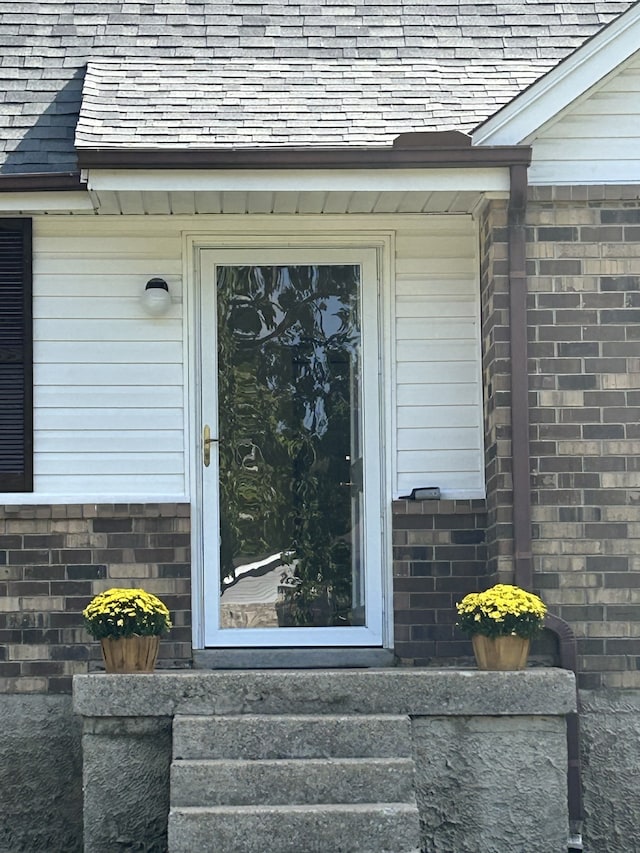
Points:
[(397, 157), (41, 182)]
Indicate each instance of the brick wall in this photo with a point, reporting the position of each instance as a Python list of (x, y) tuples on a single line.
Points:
[(496, 370), (584, 316), (54, 559), (439, 555)]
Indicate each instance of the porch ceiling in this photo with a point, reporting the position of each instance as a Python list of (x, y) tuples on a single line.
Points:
[(454, 185), (337, 202)]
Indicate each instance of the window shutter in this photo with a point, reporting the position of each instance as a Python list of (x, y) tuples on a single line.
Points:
[(16, 362)]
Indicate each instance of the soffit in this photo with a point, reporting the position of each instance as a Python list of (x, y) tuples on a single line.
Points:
[(295, 191), (285, 202)]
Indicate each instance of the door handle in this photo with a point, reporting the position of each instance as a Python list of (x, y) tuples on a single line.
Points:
[(207, 441)]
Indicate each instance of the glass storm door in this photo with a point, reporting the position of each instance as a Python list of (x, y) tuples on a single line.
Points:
[(290, 449)]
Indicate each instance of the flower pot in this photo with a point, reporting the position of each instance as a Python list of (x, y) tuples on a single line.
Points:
[(500, 653), (130, 654)]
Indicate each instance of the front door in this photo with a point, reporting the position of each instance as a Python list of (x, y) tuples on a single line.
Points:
[(290, 426)]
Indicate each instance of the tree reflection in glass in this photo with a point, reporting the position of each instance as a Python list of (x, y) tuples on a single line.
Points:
[(290, 459)]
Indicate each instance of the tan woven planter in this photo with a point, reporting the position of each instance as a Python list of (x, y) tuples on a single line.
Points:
[(130, 654), (500, 653)]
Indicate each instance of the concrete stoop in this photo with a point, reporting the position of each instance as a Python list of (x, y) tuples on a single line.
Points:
[(287, 784)]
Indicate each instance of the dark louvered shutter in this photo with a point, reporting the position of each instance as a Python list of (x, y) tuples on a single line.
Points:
[(16, 370)]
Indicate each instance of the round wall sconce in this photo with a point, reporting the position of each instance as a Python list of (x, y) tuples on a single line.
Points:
[(155, 298)]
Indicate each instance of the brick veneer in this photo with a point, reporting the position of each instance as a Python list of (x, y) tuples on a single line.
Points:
[(496, 371), (584, 316), (439, 554), (53, 559), (583, 255)]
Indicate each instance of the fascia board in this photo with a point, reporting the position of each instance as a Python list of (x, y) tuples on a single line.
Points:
[(31, 202), (541, 102), (483, 179)]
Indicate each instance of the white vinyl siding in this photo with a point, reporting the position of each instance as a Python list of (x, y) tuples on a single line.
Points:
[(108, 379), (110, 383), (595, 140), (438, 377)]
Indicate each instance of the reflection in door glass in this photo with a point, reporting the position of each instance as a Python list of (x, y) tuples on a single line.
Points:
[(291, 502)]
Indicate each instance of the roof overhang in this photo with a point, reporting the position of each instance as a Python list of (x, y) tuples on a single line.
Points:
[(482, 179), (31, 192), (601, 55), (409, 151), (420, 173), (288, 191), (40, 182)]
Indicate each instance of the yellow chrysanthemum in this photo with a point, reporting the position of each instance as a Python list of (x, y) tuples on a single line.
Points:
[(502, 609), (125, 612)]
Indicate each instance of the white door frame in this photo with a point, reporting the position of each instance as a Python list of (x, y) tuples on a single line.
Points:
[(329, 249)]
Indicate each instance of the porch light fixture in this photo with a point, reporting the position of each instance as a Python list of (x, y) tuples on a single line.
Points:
[(155, 298)]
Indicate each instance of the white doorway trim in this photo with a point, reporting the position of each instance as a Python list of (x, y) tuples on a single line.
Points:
[(373, 252)]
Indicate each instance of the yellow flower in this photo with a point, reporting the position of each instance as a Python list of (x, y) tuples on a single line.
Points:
[(124, 612), (502, 609)]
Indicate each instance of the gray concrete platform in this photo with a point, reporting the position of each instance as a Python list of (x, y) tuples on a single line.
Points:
[(489, 750), (417, 692)]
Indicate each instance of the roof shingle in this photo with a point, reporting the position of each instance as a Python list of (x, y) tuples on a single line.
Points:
[(209, 72)]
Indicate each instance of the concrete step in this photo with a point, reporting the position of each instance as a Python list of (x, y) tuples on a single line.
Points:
[(363, 828), (291, 781), (292, 736)]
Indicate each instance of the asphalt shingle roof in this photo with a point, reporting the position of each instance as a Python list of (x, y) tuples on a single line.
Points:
[(360, 102), (207, 73)]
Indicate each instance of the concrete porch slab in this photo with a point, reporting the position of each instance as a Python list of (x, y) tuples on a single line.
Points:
[(476, 738), (416, 692)]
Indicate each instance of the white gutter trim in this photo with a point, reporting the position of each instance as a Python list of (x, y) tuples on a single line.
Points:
[(28, 202), (484, 179)]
